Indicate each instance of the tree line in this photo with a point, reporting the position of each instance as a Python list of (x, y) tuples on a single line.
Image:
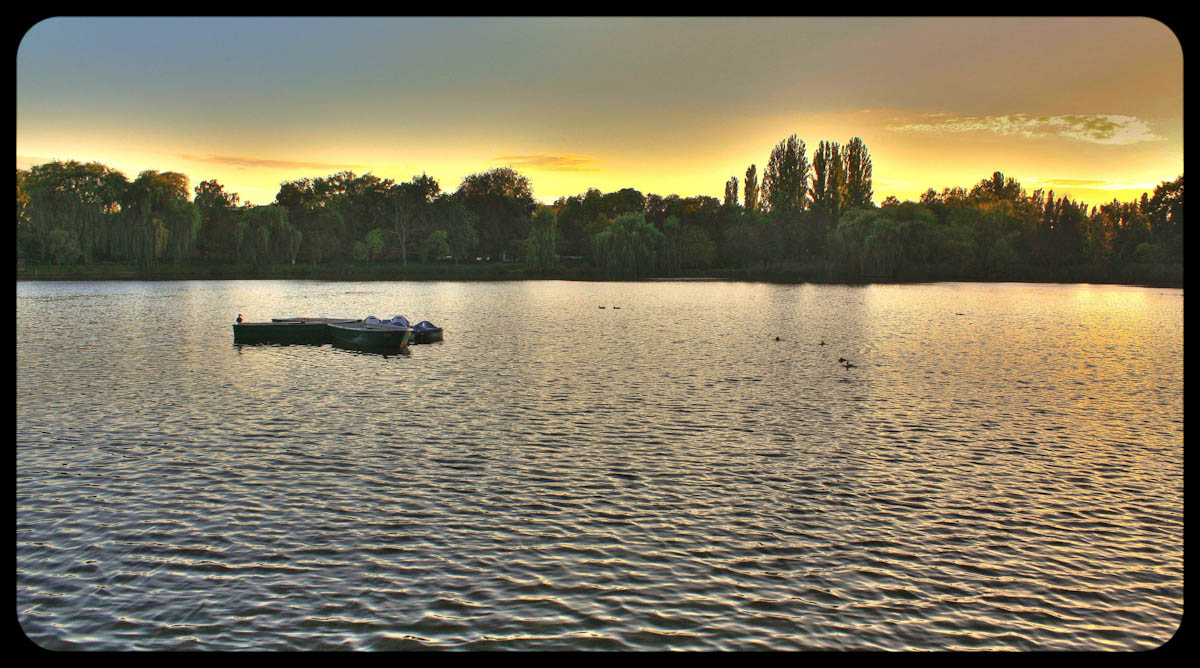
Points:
[(800, 212)]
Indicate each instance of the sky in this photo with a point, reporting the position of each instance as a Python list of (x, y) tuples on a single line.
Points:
[(1089, 107)]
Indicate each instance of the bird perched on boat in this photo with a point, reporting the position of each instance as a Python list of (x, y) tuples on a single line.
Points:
[(239, 318)]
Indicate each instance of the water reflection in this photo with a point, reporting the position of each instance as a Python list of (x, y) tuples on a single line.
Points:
[(378, 351), (665, 475)]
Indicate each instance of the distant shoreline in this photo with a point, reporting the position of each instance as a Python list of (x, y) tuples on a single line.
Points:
[(1146, 275)]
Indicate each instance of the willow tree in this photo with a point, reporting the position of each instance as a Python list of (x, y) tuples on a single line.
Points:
[(629, 247), (266, 236), (183, 222), (153, 210), (79, 199), (540, 252)]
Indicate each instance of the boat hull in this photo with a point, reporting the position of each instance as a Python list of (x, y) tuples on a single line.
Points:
[(301, 330), (427, 335), (369, 336)]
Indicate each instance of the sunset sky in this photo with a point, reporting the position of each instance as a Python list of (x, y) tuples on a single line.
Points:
[(1088, 107)]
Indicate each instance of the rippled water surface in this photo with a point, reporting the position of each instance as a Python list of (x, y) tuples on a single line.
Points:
[(1002, 469)]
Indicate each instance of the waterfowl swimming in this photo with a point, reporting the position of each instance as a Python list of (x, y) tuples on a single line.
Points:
[(601, 307), (778, 339), (821, 343)]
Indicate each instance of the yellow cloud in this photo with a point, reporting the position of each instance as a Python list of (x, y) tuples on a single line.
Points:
[(244, 162), (555, 162), (1094, 128)]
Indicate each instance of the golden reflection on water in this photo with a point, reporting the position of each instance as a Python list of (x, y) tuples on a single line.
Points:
[(1002, 468)]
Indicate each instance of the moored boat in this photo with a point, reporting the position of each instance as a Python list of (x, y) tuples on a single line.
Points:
[(371, 333), (426, 332), (422, 332)]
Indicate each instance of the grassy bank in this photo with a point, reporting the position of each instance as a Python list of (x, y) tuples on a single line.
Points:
[(1157, 275)]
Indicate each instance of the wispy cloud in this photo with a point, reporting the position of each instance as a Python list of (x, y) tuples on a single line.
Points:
[(554, 162), (1094, 128), (245, 162), (1091, 184)]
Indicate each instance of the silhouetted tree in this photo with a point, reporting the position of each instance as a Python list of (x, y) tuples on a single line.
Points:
[(750, 190), (859, 184)]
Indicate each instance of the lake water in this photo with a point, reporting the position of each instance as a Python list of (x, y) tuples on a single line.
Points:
[(1002, 468)]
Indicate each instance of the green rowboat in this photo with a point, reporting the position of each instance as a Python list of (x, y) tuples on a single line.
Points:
[(371, 336)]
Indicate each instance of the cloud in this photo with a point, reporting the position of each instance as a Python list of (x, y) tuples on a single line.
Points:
[(1091, 184), (244, 162), (554, 162), (1093, 128)]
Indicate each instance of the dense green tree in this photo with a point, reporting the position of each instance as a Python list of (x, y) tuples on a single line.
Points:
[(502, 200), (375, 244), (1164, 214), (625, 200), (698, 249), (360, 252), (61, 247), (731, 192), (217, 210), (743, 246), (452, 217), (435, 245), (411, 207)]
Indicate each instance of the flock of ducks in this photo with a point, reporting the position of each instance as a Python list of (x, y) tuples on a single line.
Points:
[(845, 363), (841, 360)]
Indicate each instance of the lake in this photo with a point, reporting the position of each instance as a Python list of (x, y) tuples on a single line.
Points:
[(609, 466)]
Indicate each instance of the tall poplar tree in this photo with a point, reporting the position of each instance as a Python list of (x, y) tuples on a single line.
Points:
[(731, 190), (857, 161), (785, 183), (751, 188)]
